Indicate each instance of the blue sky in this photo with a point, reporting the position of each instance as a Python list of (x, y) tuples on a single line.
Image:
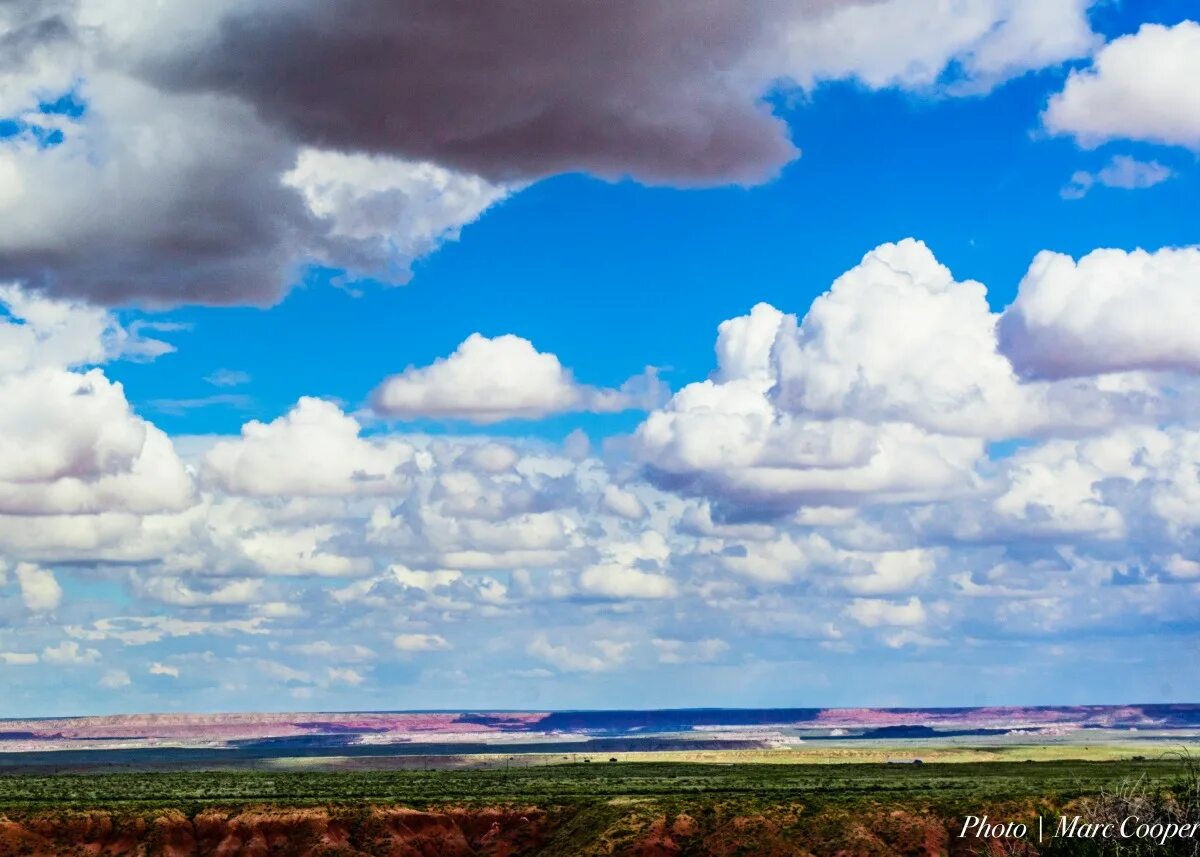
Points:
[(614, 276), (255, 458)]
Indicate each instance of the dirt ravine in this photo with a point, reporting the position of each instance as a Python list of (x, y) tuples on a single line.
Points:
[(481, 831)]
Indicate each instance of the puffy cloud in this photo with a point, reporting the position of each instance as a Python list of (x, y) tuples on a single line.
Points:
[(163, 669), (850, 403), (39, 589), (69, 441), (313, 450), (420, 643), (889, 386), (19, 658), (1122, 172), (1137, 88), (898, 338), (601, 655), (623, 503), (488, 380), (176, 592), (383, 212), (115, 679), (913, 43), (69, 653), (621, 581), (225, 144), (1112, 311), (875, 612)]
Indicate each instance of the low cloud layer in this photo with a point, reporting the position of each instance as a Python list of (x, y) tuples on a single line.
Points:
[(850, 479)]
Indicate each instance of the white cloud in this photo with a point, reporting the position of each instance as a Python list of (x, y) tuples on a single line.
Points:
[(115, 679), (912, 43), (875, 612), (69, 653), (623, 503), (876, 393), (1112, 311), (1123, 171), (176, 592), (69, 441), (19, 658), (489, 380), (689, 651), (614, 580), (383, 212), (1140, 87), (344, 675), (420, 643), (602, 655), (313, 450), (39, 590), (163, 669)]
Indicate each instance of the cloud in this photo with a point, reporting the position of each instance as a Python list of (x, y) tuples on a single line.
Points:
[(115, 679), (889, 387), (227, 378), (39, 590), (220, 147), (875, 612), (614, 580), (1122, 172), (489, 380), (843, 406), (1112, 311), (69, 441), (344, 675), (927, 44), (685, 652), (420, 643), (163, 669), (69, 653), (1139, 87), (18, 658), (313, 450), (604, 655), (600, 88), (173, 591)]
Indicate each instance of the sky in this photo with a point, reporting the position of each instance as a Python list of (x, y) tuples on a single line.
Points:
[(372, 355)]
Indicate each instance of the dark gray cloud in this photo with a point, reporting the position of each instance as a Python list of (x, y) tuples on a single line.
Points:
[(656, 89)]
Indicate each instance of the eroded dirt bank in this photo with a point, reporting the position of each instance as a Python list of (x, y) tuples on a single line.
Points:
[(612, 828)]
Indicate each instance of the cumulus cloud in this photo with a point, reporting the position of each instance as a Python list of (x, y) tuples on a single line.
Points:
[(1139, 87), (890, 385), (69, 653), (39, 588), (115, 679), (222, 145), (163, 669), (848, 404), (923, 44), (875, 612), (1111, 311), (621, 581), (420, 643), (69, 440), (1123, 171), (600, 655), (489, 380), (313, 450)]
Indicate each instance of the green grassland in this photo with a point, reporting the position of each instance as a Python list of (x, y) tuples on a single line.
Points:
[(935, 784)]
